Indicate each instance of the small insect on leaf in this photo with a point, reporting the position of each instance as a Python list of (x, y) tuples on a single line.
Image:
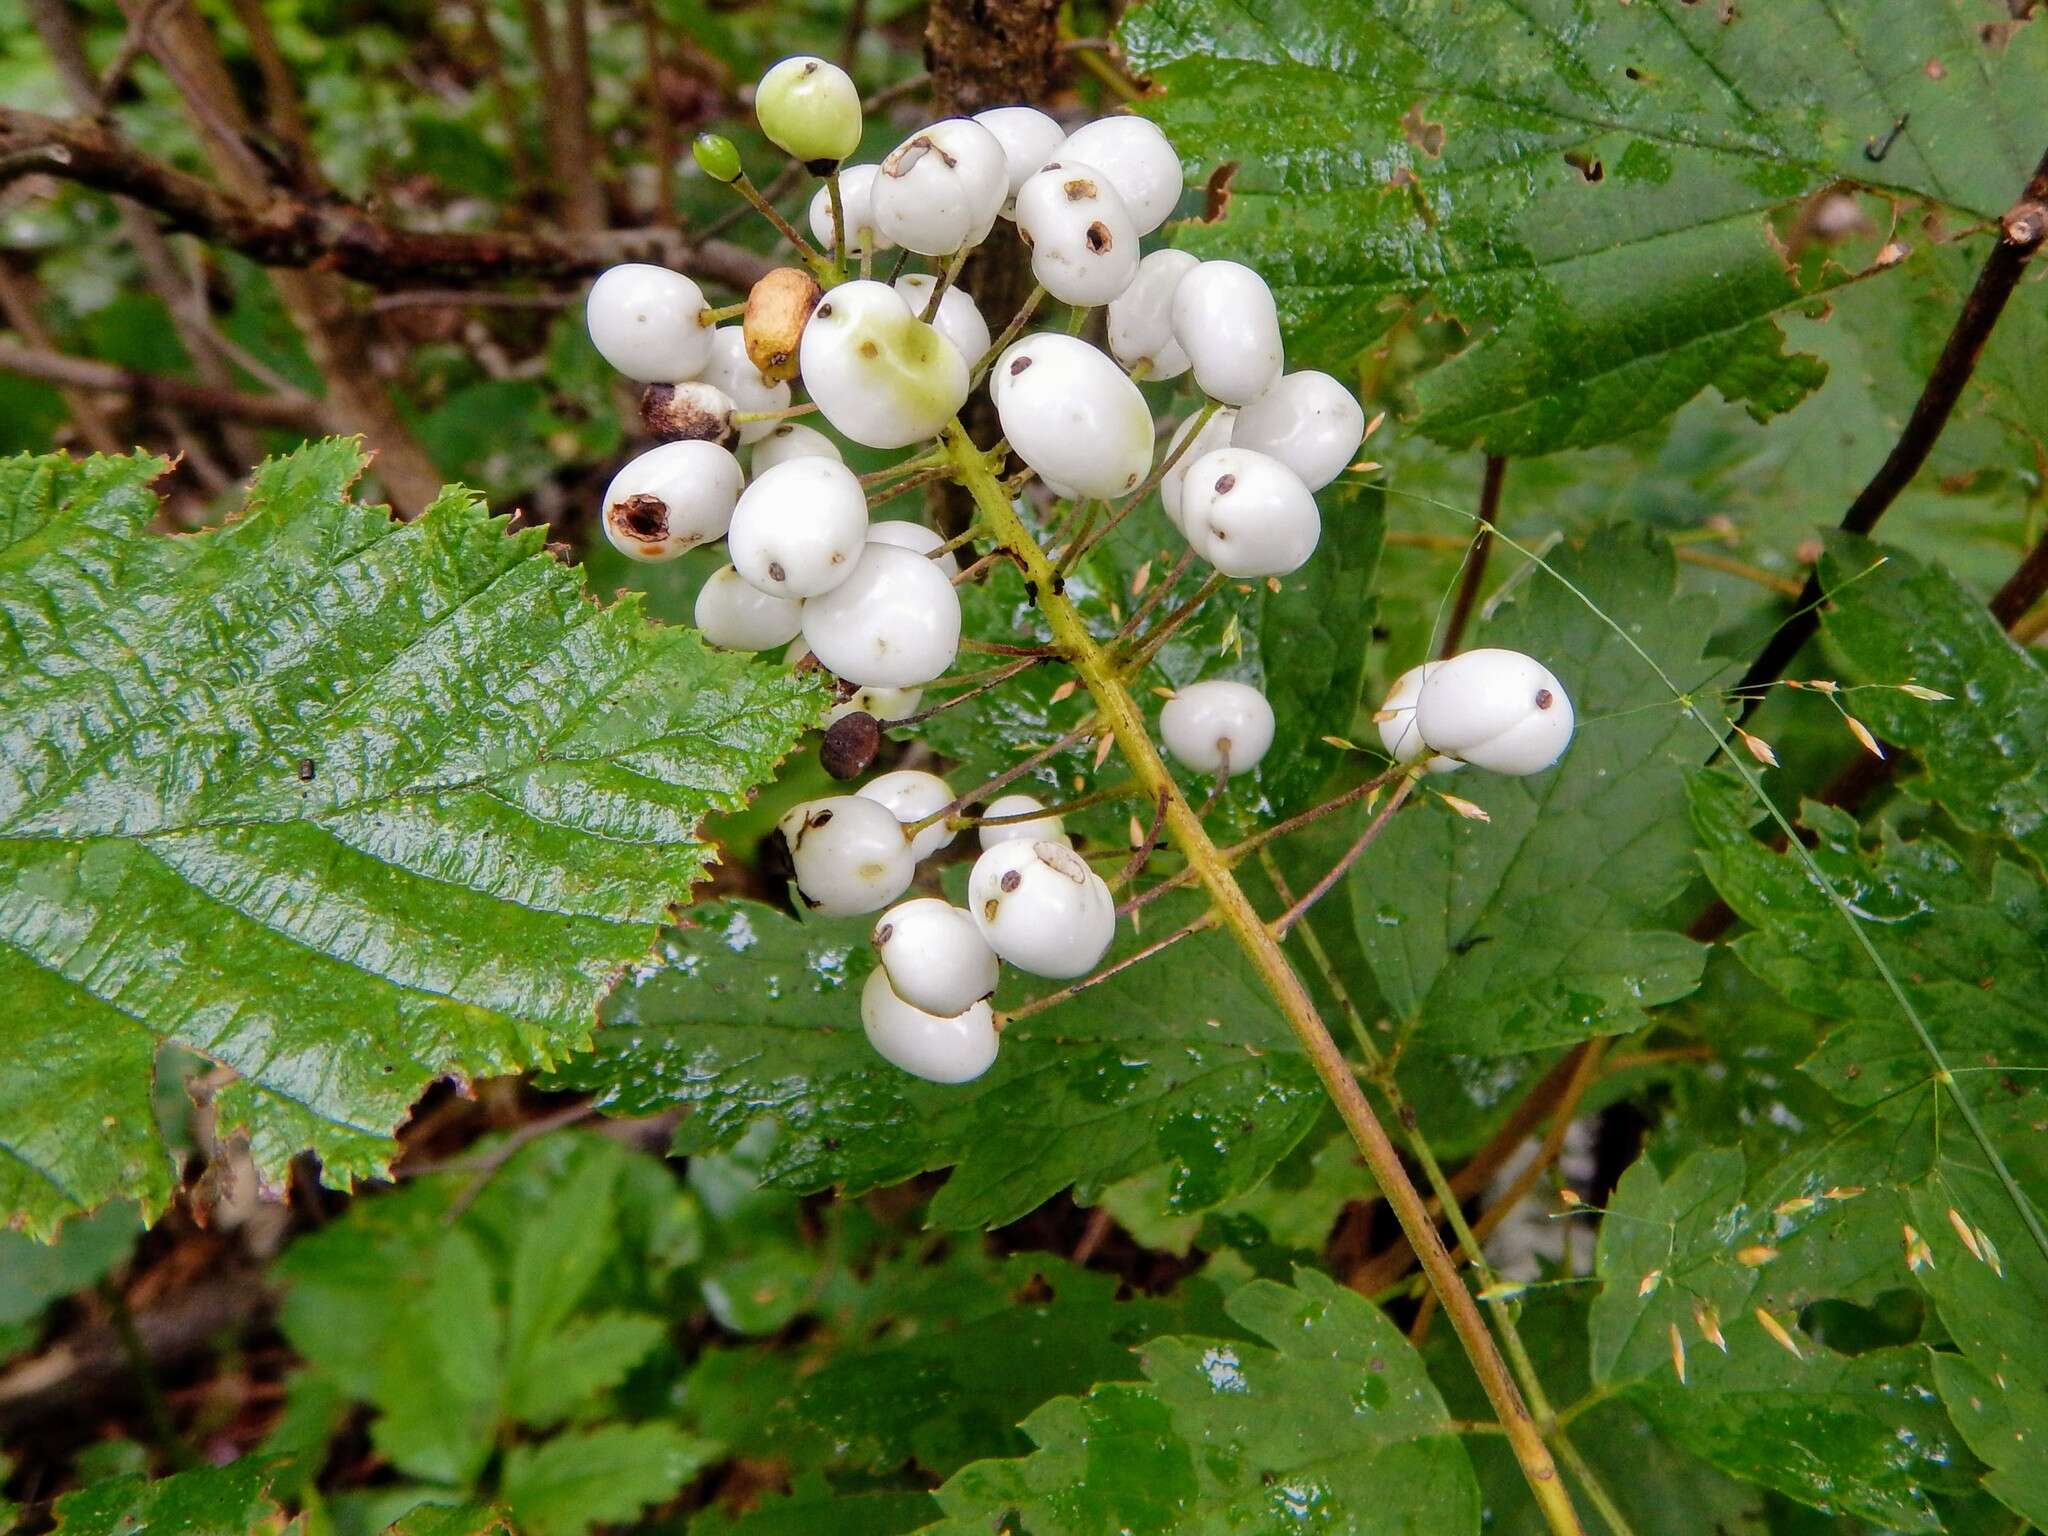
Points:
[(1463, 807), (1755, 1256), (1862, 734), (1758, 748), (1776, 1330), (1931, 695), (1678, 1353)]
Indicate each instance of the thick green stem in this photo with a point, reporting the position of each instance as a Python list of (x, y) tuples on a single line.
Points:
[(1184, 829)]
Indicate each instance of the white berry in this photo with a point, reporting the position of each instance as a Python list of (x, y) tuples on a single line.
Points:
[(1029, 139), (850, 854), (1225, 320), (1215, 433), (911, 794), (885, 704), (670, 499), (1247, 514), (914, 536), (936, 958), (730, 369), (738, 616), (893, 623), (940, 190), (1496, 709), (1041, 908), (1138, 160), (941, 1050), (1309, 422), (881, 376), (1084, 247), (857, 204), (1072, 414), (799, 529), (792, 440), (1141, 317), (809, 109), (646, 321), (1048, 828), (1217, 725), (1396, 720), (959, 319)]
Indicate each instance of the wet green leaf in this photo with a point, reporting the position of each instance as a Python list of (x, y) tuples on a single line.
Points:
[(219, 1501), (396, 801), (590, 1477), (1592, 185), (1335, 1425), (1537, 927), (1905, 622), (752, 1015)]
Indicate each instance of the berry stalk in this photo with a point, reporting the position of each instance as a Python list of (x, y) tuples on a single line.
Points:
[(1236, 912)]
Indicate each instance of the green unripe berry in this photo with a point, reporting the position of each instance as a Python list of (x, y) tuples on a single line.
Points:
[(810, 109), (716, 157)]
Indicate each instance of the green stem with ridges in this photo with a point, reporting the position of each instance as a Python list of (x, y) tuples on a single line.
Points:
[(1099, 673)]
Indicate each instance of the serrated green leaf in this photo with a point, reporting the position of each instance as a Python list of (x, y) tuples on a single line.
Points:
[(1972, 958), (210, 1501), (1982, 748), (396, 800), (940, 1400), (752, 1015), (1595, 182), (1535, 928), (451, 1520), (1683, 1262), (566, 1485), (414, 1302), (1335, 1425)]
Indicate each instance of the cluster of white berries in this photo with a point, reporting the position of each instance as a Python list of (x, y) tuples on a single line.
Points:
[(889, 365)]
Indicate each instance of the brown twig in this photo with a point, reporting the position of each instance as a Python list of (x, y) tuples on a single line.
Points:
[(1336, 872), (283, 231), (298, 412), (1473, 576), (1026, 1009), (2020, 234)]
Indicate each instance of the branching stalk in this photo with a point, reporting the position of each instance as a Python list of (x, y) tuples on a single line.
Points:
[(1237, 914)]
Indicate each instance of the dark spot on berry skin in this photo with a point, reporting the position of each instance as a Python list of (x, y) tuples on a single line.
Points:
[(1018, 365), (850, 745), (1099, 239), (641, 517), (1010, 881), (824, 311), (775, 572), (1079, 189), (988, 911), (869, 349), (818, 820), (884, 934), (1543, 699), (811, 68), (1226, 485), (307, 768)]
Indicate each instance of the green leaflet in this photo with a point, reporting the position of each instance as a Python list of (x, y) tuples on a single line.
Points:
[(455, 1321), (1336, 1425), (216, 1501), (1686, 1259), (1534, 929), (1595, 183), (752, 1015), (1983, 750), (397, 801)]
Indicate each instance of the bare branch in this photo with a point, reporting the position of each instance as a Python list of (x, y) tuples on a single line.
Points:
[(284, 231), (299, 412)]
